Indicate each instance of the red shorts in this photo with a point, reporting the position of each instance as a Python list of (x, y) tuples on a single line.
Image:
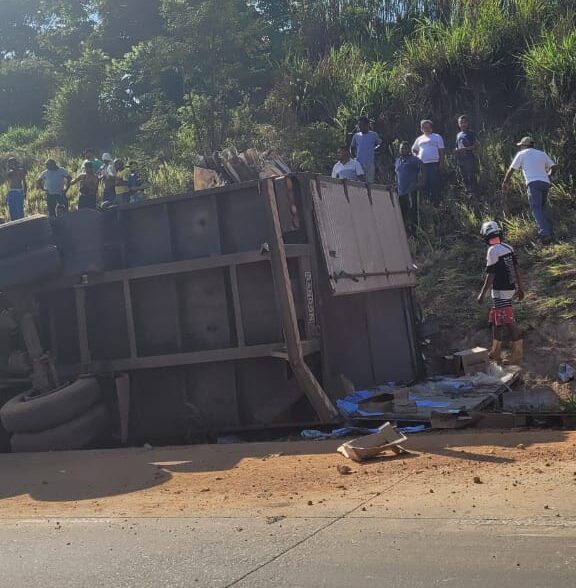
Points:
[(501, 316)]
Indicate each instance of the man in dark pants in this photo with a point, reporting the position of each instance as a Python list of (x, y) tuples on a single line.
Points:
[(55, 181), (408, 168), (429, 148), (537, 167), (466, 146)]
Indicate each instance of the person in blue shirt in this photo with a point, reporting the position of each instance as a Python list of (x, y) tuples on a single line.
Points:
[(408, 168), (364, 146), (135, 186), (465, 153)]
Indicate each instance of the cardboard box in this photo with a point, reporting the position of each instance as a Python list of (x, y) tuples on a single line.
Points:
[(388, 438), (474, 360)]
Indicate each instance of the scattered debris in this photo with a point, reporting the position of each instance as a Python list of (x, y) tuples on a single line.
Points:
[(388, 438), (477, 480), (274, 519), (231, 167), (451, 420), (344, 470), (472, 361), (520, 446), (566, 373)]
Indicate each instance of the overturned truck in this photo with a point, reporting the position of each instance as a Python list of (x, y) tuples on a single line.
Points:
[(235, 308)]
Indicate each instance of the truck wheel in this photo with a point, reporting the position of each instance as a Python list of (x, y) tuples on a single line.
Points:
[(79, 433), (25, 235), (28, 414), (29, 267)]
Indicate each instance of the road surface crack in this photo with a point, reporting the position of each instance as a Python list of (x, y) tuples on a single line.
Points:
[(331, 523)]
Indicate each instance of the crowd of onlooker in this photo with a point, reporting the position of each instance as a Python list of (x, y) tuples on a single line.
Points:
[(112, 179), (420, 165)]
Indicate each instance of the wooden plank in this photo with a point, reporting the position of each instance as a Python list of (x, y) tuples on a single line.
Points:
[(316, 395), (130, 318), (237, 308)]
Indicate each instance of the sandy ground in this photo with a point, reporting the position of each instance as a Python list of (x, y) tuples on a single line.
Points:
[(465, 474)]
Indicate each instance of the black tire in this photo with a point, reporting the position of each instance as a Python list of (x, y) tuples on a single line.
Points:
[(82, 432), (26, 234), (30, 414), (29, 267)]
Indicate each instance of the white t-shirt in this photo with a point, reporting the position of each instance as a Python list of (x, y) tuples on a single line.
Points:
[(347, 171), (534, 164), (427, 147)]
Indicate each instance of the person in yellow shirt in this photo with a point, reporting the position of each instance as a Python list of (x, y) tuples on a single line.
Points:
[(122, 188)]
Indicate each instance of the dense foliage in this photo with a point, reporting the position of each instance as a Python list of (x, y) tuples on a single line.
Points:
[(177, 78), (168, 80)]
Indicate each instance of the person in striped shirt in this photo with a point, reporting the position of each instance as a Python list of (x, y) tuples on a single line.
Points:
[(504, 281)]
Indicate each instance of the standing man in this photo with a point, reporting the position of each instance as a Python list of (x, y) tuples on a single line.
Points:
[(504, 282), (17, 189), (347, 168), (54, 181), (90, 155), (537, 167), (88, 181), (108, 175), (364, 146), (466, 147), (407, 175), (429, 148)]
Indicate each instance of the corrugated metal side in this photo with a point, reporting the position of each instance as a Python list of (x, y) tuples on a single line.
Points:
[(362, 237)]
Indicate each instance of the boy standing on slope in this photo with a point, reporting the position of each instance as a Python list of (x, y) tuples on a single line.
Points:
[(504, 280)]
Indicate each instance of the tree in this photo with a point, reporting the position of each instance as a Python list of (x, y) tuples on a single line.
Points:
[(222, 54), (122, 25), (26, 85), (17, 28), (75, 115)]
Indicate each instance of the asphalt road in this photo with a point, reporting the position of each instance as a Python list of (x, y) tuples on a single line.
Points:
[(282, 516), (355, 550)]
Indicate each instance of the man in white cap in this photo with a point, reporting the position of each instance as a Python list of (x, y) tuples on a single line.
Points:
[(537, 167), (108, 176)]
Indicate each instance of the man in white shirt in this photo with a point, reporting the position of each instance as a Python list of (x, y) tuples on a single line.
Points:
[(537, 167), (429, 148), (108, 177), (347, 168)]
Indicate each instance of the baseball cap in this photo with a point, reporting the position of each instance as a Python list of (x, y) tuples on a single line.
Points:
[(526, 142)]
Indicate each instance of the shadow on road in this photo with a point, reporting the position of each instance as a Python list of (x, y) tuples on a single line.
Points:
[(86, 475)]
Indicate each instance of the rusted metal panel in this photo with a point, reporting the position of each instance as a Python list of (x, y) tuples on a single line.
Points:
[(195, 231), (204, 317), (106, 322), (362, 237), (368, 338), (156, 316)]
